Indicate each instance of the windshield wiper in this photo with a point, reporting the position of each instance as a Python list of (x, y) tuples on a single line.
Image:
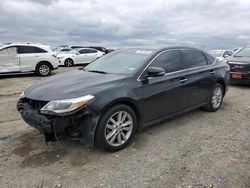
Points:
[(97, 71)]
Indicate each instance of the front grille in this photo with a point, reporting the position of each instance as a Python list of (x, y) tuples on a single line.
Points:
[(239, 68), (37, 104)]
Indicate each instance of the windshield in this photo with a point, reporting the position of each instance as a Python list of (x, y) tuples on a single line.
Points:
[(216, 53), (245, 52), (121, 62)]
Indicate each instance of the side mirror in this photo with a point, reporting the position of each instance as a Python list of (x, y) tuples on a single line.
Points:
[(77, 53), (225, 56), (155, 72)]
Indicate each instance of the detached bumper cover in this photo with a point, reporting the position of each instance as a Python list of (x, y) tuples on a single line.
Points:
[(85, 121), (33, 117)]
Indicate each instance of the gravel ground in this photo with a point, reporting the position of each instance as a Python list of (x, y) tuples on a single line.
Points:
[(198, 149)]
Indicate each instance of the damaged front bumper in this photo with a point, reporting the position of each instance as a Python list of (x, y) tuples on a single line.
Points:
[(79, 126)]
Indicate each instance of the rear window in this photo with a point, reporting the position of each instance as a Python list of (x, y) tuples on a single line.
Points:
[(30, 49), (193, 59)]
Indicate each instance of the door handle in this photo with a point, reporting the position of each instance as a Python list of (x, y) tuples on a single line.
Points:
[(183, 80), (212, 72), (36, 56)]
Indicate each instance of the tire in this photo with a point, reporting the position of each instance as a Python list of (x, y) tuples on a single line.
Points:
[(68, 62), (43, 69), (113, 137), (216, 98)]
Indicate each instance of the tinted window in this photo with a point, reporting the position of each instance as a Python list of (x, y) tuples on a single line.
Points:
[(86, 51), (193, 59), (169, 61), (73, 47), (82, 51), (91, 51), (210, 59), (30, 49)]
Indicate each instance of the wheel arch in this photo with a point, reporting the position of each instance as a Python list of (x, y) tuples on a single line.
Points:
[(69, 58), (132, 104), (223, 85), (47, 62)]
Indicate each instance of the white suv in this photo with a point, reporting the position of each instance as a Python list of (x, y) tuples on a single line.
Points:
[(24, 58)]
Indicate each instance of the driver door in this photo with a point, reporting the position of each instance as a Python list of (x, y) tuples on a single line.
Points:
[(82, 56), (165, 95), (9, 60)]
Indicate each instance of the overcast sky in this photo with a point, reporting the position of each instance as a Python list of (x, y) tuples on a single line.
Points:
[(117, 23)]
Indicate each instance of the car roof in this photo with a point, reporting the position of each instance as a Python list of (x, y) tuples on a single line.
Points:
[(25, 44), (161, 49), (45, 47), (85, 48)]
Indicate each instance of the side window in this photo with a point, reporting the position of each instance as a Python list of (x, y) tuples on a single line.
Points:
[(30, 50), (38, 50), (83, 51), (90, 51), (10, 52), (193, 59), (170, 61), (210, 59), (227, 53)]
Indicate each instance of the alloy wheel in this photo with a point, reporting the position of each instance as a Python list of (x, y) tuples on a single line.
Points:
[(217, 97), (68, 62), (119, 128), (44, 70)]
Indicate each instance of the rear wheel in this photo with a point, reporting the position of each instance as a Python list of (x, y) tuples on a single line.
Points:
[(216, 98), (43, 69), (116, 128), (68, 62)]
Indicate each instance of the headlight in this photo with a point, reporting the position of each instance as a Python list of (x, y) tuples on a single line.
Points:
[(22, 94), (68, 105)]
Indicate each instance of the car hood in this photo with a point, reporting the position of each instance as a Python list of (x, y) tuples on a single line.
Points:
[(72, 85), (239, 59)]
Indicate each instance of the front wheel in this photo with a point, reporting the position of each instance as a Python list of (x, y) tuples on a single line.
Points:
[(216, 98), (116, 128), (68, 62)]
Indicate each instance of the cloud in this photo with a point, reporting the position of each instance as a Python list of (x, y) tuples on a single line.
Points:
[(204, 23)]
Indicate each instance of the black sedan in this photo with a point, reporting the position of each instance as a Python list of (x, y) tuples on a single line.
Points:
[(108, 101), (240, 66)]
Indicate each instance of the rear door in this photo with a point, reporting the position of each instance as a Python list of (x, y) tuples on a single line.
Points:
[(86, 56), (9, 61), (200, 76), (167, 94), (29, 57)]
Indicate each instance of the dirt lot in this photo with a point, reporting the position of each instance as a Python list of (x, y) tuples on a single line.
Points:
[(198, 149)]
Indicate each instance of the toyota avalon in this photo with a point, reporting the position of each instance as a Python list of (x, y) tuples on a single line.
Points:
[(119, 94)]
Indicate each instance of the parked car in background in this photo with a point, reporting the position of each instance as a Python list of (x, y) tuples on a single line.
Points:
[(221, 54), (101, 49), (63, 50), (240, 66), (108, 101), (26, 58), (79, 56)]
